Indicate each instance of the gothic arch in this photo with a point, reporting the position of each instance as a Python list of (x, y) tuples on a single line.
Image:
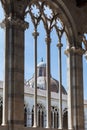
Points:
[(64, 15), (40, 115), (60, 11), (54, 117), (65, 118)]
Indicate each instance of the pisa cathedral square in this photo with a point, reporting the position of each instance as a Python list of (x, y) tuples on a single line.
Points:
[(42, 102)]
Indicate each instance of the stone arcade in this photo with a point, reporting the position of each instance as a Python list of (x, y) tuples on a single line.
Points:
[(15, 25)]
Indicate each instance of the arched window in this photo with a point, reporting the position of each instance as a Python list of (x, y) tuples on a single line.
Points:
[(54, 117), (39, 118), (25, 116), (57, 120), (65, 119), (40, 115), (32, 118), (42, 119), (51, 119), (45, 22)]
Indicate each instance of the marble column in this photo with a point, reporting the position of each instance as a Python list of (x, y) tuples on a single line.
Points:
[(35, 34), (48, 97), (69, 83), (59, 45), (13, 106), (75, 89), (5, 105)]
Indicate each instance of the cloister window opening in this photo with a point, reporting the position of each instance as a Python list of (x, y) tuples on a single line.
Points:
[(46, 31), (32, 117), (41, 49), (65, 120)]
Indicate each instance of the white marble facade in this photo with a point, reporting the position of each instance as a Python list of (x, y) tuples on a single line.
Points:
[(41, 100)]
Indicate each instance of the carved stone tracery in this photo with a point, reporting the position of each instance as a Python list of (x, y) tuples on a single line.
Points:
[(42, 11)]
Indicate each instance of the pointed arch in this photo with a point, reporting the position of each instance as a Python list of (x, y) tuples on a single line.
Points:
[(65, 118)]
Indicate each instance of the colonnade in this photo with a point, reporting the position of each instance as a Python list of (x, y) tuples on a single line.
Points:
[(13, 91), (42, 117)]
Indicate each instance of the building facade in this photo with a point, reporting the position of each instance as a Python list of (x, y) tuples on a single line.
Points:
[(41, 101)]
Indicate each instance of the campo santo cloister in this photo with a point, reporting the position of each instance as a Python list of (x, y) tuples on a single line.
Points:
[(42, 102)]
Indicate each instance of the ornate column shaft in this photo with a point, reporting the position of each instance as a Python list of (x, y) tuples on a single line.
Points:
[(13, 106), (48, 105), (35, 34), (75, 89), (59, 45), (69, 83)]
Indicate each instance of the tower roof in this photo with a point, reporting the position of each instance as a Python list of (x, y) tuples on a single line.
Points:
[(41, 64)]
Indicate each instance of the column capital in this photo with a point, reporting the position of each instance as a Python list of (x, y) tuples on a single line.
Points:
[(17, 22), (48, 40), (74, 50), (59, 45), (35, 33)]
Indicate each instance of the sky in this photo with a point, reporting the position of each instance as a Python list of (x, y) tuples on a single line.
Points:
[(29, 53)]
